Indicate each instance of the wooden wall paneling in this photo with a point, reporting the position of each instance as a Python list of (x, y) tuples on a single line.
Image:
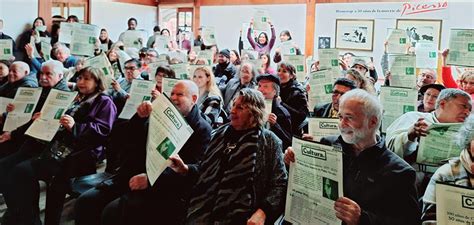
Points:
[(310, 21), (44, 10), (196, 16)]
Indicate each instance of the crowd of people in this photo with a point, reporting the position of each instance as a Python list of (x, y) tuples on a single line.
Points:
[(234, 167)]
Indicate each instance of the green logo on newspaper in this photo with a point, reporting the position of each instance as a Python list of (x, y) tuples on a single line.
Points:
[(58, 114), (300, 68), (432, 55), (6, 51), (264, 19), (92, 40), (312, 152), (470, 47), (29, 108), (403, 40), (408, 108), (183, 76), (105, 70), (212, 36), (292, 50), (409, 71), (166, 148), (399, 93), (146, 98), (328, 88), (173, 117), (334, 62)]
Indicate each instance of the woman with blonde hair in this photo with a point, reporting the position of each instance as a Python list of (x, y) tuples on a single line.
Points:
[(210, 98), (465, 83), (361, 81)]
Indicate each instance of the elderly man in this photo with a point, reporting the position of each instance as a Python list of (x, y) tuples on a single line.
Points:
[(50, 77), (224, 70), (17, 77), (144, 202), (330, 110), (279, 119), (379, 187), (452, 106)]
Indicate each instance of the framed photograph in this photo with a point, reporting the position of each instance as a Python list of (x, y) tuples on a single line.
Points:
[(421, 30), (324, 42), (355, 34)]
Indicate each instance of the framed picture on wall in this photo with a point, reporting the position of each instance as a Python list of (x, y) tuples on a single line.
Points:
[(355, 34), (421, 30)]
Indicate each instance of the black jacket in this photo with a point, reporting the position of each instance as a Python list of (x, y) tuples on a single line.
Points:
[(8, 90), (226, 69), (282, 128), (381, 183), (323, 110), (294, 99)]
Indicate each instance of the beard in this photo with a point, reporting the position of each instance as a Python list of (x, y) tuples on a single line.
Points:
[(352, 135)]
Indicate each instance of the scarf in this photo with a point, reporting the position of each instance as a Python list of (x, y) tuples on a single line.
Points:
[(225, 190), (466, 160)]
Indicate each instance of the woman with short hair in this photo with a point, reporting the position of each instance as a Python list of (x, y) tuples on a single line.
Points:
[(246, 162), (85, 130)]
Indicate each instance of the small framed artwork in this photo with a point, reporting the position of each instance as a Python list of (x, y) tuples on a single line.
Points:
[(324, 42), (355, 34), (422, 30)]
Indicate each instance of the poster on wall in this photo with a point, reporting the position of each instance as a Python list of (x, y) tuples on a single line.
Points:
[(421, 30), (324, 42), (355, 34)]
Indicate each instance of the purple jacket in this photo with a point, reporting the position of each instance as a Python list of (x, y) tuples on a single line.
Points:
[(259, 48), (93, 124)]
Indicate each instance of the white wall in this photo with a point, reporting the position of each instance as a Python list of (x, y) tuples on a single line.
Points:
[(455, 15), (228, 20), (114, 16), (17, 15)]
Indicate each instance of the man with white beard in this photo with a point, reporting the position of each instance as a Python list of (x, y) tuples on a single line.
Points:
[(379, 187)]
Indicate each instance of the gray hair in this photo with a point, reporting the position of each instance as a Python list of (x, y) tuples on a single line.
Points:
[(466, 133), (451, 93), (255, 102), (191, 87), (21, 65), (370, 105), (61, 46), (432, 71), (55, 65), (253, 71)]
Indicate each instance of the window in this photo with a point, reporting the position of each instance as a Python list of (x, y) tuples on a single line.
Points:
[(185, 19), (65, 9)]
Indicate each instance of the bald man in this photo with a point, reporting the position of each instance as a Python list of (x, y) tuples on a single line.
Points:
[(19, 76), (140, 202)]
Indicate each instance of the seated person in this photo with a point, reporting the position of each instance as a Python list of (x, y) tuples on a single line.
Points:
[(141, 202), (51, 76), (210, 98), (120, 88), (452, 106), (279, 119), (245, 79), (430, 93), (370, 170), (458, 171), (19, 76), (224, 69), (330, 110), (86, 125), (465, 82)]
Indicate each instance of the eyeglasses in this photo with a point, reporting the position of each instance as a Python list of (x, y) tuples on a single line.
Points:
[(130, 68)]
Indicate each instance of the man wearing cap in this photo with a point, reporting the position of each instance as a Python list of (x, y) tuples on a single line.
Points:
[(224, 70), (362, 66), (330, 110), (429, 93), (279, 119)]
